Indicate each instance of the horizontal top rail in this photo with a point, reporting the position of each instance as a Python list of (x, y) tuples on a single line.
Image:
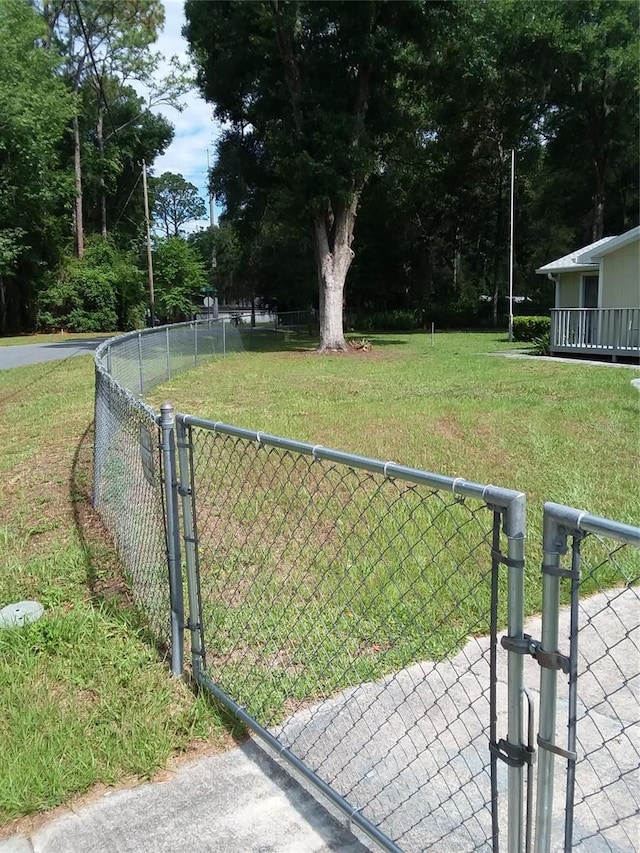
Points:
[(558, 310), (580, 521), (494, 495)]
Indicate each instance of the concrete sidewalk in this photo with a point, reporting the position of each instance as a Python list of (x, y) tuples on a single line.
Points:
[(418, 753), (241, 801)]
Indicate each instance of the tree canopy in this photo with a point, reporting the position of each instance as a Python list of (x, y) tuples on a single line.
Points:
[(405, 114), (363, 164), (73, 133)]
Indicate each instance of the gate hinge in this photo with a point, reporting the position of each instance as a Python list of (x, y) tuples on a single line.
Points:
[(514, 756), (184, 491), (527, 646)]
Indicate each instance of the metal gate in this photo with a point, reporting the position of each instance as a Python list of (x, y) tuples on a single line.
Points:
[(347, 611)]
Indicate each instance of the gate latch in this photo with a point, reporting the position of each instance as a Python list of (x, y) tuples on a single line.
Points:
[(526, 645)]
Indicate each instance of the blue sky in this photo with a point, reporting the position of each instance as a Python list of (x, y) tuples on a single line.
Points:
[(195, 129)]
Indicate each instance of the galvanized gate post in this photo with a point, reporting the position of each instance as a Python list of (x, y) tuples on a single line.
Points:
[(515, 531), (195, 343), (185, 489), (167, 425), (554, 544), (98, 429)]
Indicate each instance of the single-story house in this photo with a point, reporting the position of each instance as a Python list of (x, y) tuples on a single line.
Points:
[(597, 302)]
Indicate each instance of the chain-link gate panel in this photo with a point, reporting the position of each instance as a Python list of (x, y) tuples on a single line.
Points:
[(349, 613)]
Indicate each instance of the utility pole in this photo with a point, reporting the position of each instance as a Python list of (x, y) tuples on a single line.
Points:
[(149, 256), (513, 176)]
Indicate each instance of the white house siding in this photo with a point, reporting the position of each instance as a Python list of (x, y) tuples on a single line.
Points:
[(568, 295), (620, 272)]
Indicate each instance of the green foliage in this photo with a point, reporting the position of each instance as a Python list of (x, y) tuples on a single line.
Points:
[(528, 329), (389, 321), (99, 292), (312, 97), (35, 108), (542, 344), (179, 277), (492, 76)]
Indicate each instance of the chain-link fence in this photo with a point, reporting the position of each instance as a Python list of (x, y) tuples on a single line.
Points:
[(347, 610), (129, 488), (128, 494), (591, 751)]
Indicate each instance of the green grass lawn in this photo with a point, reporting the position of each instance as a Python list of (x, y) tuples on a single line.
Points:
[(84, 695), (56, 337), (565, 432)]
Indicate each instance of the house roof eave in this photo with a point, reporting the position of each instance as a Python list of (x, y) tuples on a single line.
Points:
[(555, 267)]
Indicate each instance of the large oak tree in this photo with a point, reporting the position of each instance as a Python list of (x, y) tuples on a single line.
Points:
[(313, 95)]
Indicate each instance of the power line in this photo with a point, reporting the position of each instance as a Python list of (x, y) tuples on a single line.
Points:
[(127, 201)]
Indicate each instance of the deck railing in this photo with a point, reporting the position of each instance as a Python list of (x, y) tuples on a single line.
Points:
[(612, 331)]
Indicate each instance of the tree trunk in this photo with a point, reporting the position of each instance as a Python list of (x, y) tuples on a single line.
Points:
[(103, 192), (332, 236), (77, 218)]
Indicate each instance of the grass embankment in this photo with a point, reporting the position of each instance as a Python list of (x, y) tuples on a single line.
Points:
[(84, 695)]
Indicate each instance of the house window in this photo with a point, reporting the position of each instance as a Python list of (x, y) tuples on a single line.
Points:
[(589, 291)]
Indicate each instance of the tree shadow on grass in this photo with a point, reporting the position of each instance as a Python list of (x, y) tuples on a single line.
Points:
[(106, 576)]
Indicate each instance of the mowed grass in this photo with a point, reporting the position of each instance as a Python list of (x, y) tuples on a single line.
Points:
[(565, 432), (85, 695), (53, 338)]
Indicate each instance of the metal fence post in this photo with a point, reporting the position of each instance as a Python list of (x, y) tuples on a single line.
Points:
[(224, 338), (185, 489), (140, 363), (167, 425), (554, 544), (195, 343), (515, 531), (168, 354)]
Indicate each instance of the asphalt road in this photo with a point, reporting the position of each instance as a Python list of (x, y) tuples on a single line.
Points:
[(24, 354)]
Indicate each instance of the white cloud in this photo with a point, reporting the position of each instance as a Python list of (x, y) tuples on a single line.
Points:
[(195, 129)]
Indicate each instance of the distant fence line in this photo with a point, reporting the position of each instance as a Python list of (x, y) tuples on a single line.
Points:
[(366, 620)]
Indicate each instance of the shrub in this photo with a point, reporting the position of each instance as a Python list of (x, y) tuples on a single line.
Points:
[(180, 277), (390, 321), (527, 329), (542, 345), (99, 292)]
